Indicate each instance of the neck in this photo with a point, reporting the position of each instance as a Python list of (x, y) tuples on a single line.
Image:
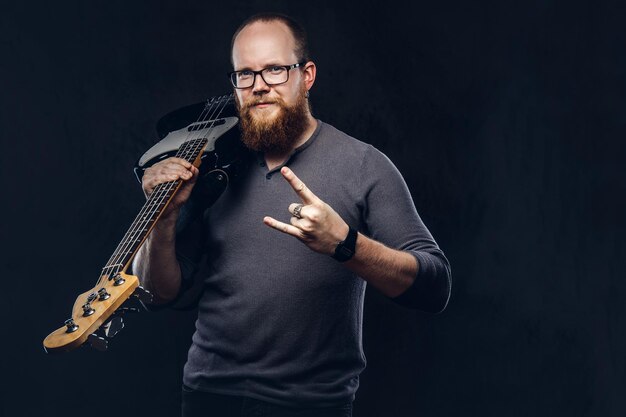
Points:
[(274, 159)]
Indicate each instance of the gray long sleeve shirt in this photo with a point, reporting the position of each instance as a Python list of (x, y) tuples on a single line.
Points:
[(277, 321)]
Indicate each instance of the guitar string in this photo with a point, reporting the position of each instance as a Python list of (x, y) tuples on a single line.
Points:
[(189, 153), (160, 190), (138, 228), (159, 195), (116, 254), (191, 150), (112, 261)]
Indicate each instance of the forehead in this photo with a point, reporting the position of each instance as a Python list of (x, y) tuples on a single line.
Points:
[(264, 43)]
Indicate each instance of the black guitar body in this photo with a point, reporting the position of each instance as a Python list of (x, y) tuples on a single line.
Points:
[(224, 156)]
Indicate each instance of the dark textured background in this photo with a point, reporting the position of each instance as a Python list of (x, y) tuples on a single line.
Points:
[(506, 118)]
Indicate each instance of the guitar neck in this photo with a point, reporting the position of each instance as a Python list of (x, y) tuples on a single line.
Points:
[(151, 211)]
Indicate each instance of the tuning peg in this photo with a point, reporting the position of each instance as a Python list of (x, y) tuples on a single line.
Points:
[(71, 326), (118, 280), (87, 310), (97, 342), (113, 327), (103, 294)]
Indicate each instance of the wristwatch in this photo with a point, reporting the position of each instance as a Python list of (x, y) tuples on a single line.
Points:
[(346, 248)]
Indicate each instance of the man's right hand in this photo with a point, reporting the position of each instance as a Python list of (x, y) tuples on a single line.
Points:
[(171, 169)]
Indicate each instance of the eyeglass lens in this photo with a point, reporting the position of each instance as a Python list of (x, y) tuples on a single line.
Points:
[(271, 76)]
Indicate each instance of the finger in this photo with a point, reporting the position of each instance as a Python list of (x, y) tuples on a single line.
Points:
[(149, 184), (295, 209), (298, 186), (170, 169), (179, 171), (173, 171), (179, 161), (194, 174), (282, 227), (304, 225), (172, 165), (172, 176)]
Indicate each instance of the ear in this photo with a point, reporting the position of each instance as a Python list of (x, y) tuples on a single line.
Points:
[(309, 74)]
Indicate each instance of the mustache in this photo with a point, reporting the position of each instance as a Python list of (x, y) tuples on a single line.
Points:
[(260, 100)]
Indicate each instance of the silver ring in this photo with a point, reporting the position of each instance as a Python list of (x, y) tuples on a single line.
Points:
[(296, 211)]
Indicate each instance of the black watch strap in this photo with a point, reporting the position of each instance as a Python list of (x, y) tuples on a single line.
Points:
[(345, 249)]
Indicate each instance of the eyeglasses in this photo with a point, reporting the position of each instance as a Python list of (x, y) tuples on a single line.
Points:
[(274, 75)]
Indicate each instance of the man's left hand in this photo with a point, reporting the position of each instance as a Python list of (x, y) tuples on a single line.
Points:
[(313, 222)]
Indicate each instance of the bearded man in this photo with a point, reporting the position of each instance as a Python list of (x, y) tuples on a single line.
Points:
[(291, 245)]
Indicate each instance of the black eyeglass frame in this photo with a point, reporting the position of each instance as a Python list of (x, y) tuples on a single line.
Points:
[(260, 72)]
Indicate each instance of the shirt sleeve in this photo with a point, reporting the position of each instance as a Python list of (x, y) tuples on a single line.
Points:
[(391, 218)]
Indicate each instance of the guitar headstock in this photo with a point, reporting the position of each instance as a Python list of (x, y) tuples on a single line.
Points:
[(93, 309)]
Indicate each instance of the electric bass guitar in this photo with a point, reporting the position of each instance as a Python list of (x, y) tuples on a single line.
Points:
[(209, 143)]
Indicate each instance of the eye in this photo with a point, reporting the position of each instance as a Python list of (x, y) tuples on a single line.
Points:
[(275, 70), (242, 75)]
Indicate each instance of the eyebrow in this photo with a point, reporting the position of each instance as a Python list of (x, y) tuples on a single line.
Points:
[(267, 66)]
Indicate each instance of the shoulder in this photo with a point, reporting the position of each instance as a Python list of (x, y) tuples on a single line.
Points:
[(336, 142), (333, 137), (342, 145)]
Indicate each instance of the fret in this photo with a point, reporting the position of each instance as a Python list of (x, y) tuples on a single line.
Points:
[(161, 196), (152, 209)]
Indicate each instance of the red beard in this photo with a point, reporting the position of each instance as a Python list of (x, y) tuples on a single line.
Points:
[(275, 135)]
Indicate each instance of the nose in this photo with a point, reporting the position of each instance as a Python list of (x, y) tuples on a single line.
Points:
[(260, 87)]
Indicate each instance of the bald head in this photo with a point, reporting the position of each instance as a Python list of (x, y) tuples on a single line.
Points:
[(299, 43), (262, 44)]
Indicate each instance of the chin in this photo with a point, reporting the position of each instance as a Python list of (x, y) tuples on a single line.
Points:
[(266, 115)]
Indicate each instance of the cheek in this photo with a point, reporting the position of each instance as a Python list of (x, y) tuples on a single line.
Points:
[(239, 94), (290, 95)]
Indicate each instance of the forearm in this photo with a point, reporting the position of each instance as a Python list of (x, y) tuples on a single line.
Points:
[(155, 263), (417, 276), (388, 270)]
